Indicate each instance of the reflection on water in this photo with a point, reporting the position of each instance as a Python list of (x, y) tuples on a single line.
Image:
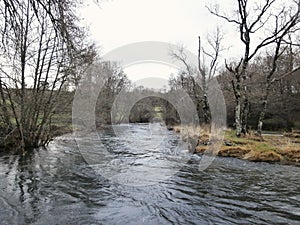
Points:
[(57, 186)]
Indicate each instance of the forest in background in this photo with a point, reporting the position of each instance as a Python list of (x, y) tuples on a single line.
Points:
[(45, 52)]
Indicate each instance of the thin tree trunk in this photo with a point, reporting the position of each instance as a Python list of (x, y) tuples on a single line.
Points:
[(268, 86), (238, 121), (245, 114), (264, 109), (261, 118), (205, 104)]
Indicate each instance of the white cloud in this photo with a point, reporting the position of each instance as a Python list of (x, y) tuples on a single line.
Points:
[(150, 75), (120, 22)]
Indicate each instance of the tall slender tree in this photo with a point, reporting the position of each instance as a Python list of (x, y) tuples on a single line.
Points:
[(208, 58)]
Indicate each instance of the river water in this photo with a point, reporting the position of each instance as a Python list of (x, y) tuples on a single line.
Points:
[(56, 185)]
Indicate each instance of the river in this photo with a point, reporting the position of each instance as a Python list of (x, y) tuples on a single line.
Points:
[(56, 185)]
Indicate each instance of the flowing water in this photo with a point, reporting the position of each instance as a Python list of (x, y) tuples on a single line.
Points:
[(56, 185)]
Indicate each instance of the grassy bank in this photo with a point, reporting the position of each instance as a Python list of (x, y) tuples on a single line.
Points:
[(268, 148)]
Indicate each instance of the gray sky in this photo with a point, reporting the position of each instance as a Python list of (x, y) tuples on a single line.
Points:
[(119, 22)]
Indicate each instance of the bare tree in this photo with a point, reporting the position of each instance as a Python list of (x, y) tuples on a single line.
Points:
[(208, 71), (207, 67), (268, 19), (40, 42), (113, 80)]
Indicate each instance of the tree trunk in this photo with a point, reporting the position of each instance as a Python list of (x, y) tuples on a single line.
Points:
[(261, 117), (204, 78), (238, 122), (206, 109), (245, 114), (238, 103)]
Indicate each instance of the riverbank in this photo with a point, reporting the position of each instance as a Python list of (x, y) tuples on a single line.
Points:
[(268, 148), (9, 143)]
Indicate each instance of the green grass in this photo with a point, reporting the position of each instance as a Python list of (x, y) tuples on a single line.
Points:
[(264, 147), (261, 146), (268, 148), (230, 136)]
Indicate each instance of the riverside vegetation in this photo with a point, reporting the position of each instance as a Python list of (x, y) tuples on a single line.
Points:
[(271, 148), (45, 52)]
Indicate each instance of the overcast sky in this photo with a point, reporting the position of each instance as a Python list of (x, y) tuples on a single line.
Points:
[(119, 22)]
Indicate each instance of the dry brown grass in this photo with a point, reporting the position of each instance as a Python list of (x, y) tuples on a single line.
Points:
[(269, 156), (233, 151), (291, 153), (251, 147)]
